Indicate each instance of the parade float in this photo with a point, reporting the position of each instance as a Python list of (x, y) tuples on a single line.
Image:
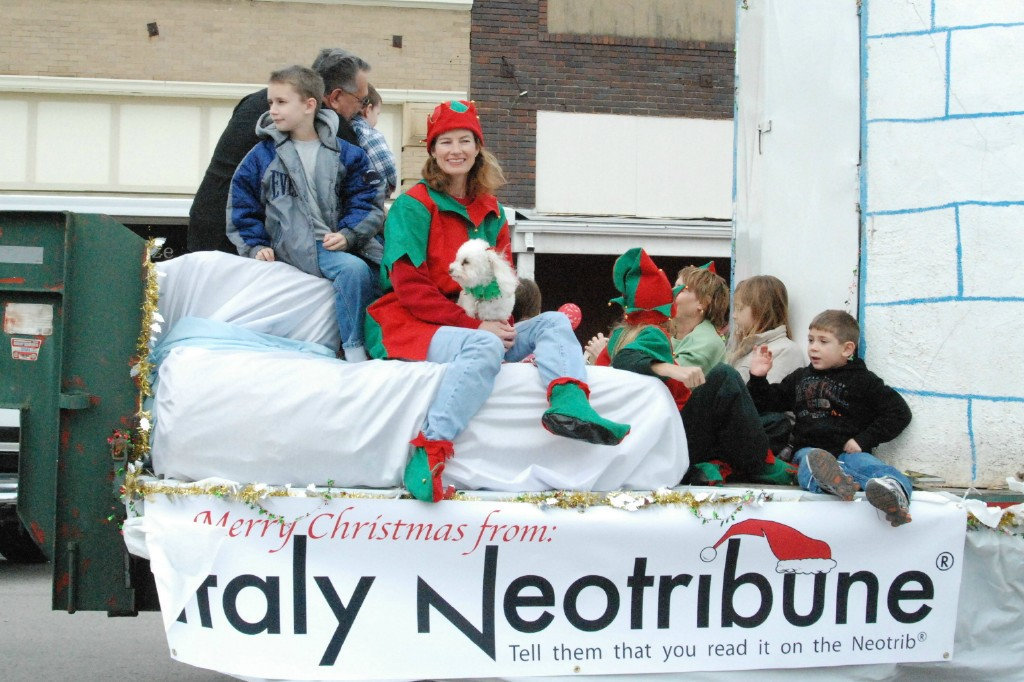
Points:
[(187, 449), (283, 547)]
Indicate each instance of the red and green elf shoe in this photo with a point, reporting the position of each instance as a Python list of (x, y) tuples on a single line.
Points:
[(712, 473), (423, 472), (775, 471), (571, 415)]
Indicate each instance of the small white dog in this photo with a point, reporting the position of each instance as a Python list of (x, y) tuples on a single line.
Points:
[(488, 282)]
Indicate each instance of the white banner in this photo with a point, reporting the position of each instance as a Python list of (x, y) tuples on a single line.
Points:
[(362, 588)]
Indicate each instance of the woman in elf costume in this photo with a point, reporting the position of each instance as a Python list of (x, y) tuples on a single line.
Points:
[(723, 431), (417, 318)]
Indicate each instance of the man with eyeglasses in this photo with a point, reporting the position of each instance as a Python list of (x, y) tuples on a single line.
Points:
[(346, 92)]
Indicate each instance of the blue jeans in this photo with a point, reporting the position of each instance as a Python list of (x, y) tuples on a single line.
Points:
[(474, 358), (355, 287), (860, 466)]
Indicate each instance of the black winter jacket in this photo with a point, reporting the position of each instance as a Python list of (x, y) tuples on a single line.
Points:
[(834, 405)]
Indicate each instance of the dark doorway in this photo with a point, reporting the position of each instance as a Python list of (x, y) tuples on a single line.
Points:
[(586, 280)]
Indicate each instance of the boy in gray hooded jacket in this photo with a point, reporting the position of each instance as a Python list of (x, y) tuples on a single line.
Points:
[(310, 199)]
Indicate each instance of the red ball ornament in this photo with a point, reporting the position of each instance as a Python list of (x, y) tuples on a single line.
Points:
[(573, 312)]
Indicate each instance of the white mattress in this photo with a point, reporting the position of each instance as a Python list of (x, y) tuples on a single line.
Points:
[(288, 417), (283, 417)]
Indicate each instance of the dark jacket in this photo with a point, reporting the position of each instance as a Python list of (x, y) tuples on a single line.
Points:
[(834, 405), (206, 217)]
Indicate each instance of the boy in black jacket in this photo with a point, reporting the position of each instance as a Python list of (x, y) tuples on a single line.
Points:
[(840, 407)]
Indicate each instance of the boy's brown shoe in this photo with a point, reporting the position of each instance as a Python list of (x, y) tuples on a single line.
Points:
[(830, 476)]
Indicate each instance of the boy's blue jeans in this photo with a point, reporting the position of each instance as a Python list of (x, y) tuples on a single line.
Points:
[(860, 466), (355, 287), (474, 358)]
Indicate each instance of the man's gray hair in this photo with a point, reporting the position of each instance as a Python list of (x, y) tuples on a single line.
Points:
[(338, 68)]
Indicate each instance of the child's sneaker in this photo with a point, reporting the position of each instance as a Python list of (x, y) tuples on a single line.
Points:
[(887, 495), (830, 476)]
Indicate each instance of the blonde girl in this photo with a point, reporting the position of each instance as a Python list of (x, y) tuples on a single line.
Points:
[(760, 317)]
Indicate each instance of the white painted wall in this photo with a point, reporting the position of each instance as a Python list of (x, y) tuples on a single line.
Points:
[(943, 289), (940, 121), (797, 147), (639, 166)]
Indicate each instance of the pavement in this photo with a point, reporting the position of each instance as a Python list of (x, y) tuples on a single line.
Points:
[(39, 644)]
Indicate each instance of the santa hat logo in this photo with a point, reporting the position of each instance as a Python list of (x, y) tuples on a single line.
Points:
[(796, 552)]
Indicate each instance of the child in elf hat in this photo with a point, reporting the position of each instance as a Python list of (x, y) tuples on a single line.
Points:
[(841, 407), (417, 318), (723, 430)]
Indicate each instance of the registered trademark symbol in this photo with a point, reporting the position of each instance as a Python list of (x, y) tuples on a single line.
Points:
[(944, 561), (921, 636)]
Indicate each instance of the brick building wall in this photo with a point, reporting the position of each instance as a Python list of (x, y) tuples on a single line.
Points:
[(230, 41), (583, 74)]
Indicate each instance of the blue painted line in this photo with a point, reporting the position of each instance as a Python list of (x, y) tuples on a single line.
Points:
[(932, 15), (945, 299), (961, 396), (735, 128), (973, 27), (903, 34), (942, 207), (862, 279), (948, 116), (949, 37), (942, 29), (735, 146), (959, 254), (970, 437)]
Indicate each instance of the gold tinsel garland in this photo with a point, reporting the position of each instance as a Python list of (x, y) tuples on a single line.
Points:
[(150, 324), (252, 495), (699, 503)]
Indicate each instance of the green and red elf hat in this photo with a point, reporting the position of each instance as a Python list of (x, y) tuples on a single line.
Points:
[(709, 266), (646, 293), (452, 115)]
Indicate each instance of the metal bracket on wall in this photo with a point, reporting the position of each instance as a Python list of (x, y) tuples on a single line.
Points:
[(761, 130)]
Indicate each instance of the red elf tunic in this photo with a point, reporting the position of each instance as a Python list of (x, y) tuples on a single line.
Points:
[(424, 230)]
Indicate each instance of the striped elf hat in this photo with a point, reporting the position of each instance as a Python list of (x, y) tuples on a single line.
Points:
[(646, 293)]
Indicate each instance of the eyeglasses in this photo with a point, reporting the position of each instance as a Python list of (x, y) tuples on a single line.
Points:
[(363, 101)]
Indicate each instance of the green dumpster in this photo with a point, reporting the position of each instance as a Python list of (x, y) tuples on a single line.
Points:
[(71, 293)]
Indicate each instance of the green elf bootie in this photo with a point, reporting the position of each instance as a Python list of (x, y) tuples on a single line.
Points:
[(711, 473), (423, 472), (571, 415), (776, 471)]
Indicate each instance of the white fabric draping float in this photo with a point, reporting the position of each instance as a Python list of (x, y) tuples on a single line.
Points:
[(272, 298), (229, 404)]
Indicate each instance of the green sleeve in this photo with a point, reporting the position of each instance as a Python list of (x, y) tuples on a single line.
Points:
[(406, 232), (651, 343)]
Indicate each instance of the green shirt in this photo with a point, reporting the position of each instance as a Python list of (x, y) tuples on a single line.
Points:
[(702, 347)]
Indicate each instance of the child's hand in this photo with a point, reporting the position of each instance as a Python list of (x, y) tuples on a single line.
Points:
[(335, 241), (851, 446), (594, 347), (691, 377), (761, 362), (503, 330), (266, 253)]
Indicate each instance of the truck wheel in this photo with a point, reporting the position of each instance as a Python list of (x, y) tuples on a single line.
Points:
[(16, 544)]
